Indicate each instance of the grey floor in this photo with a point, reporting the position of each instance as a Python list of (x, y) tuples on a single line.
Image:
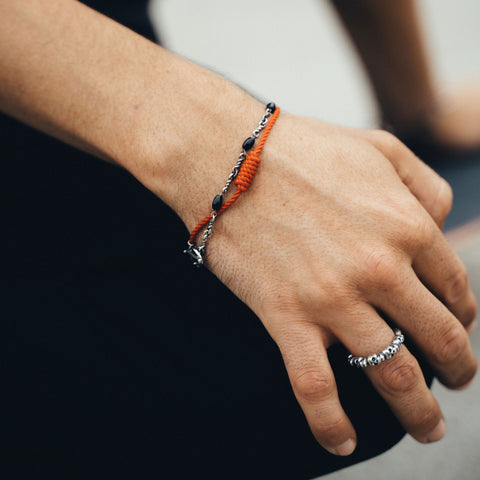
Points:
[(293, 52)]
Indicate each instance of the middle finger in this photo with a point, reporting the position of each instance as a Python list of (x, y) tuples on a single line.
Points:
[(429, 323)]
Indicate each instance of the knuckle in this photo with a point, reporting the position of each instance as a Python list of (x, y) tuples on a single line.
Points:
[(444, 200), (424, 420), (470, 312), (452, 343), (462, 380), (333, 293), (418, 228), (407, 175), (416, 231), (380, 268), (388, 142), (329, 430), (469, 374), (313, 385), (457, 285), (312, 293), (399, 376)]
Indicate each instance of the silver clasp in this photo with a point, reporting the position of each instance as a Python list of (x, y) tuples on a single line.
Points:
[(194, 253)]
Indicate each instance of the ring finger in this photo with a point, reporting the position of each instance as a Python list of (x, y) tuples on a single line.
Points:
[(399, 380), (430, 324)]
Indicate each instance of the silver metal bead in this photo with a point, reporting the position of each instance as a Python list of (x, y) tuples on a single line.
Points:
[(197, 253), (377, 358)]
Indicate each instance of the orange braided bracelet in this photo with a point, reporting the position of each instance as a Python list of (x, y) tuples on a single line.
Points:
[(241, 175)]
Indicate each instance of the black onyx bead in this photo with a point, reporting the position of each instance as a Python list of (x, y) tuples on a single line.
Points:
[(271, 106), (248, 143), (217, 202)]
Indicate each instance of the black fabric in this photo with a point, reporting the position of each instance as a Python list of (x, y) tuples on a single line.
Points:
[(131, 13), (113, 364)]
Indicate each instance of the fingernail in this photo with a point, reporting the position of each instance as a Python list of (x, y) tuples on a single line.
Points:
[(437, 433), (346, 448), (472, 327)]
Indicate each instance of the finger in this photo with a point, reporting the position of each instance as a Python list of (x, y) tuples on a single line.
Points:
[(472, 327), (430, 189), (399, 380), (429, 323), (313, 383), (444, 274)]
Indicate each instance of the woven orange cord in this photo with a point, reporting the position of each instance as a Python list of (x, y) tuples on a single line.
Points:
[(244, 177)]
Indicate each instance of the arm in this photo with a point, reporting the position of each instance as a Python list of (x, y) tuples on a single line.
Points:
[(390, 42), (388, 38), (100, 87), (318, 244)]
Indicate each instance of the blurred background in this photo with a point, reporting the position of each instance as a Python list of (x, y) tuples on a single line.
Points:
[(295, 53)]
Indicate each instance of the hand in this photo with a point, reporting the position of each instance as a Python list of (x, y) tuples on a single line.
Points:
[(338, 230), (455, 121), (452, 122), (326, 239)]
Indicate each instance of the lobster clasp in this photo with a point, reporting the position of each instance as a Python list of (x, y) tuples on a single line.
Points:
[(194, 253)]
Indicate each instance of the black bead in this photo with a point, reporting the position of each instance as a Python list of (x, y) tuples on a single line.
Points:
[(248, 143), (271, 106), (217, 202)]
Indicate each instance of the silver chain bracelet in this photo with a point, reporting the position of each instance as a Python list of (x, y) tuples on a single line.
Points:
[(197, 253)]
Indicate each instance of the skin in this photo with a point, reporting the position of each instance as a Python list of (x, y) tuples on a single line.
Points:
[(389, 40), (339, 225)]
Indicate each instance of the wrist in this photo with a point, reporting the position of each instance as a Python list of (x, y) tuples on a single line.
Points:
[(186, 143)]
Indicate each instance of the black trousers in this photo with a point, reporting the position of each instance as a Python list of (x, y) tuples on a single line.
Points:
[(113, 365)]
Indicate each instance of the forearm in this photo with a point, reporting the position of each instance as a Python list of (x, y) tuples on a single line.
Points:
[(77, 75), (388, 38), (327, 235)]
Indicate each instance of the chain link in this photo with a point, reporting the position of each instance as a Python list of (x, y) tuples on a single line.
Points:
[(197, 253)]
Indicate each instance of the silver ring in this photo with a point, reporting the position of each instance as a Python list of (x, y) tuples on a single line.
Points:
[(377, 358)]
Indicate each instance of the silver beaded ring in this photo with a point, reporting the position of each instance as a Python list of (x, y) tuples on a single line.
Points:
[(377, 358)]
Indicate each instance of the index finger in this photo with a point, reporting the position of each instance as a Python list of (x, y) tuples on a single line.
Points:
[(431, 190), (305, 356)]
